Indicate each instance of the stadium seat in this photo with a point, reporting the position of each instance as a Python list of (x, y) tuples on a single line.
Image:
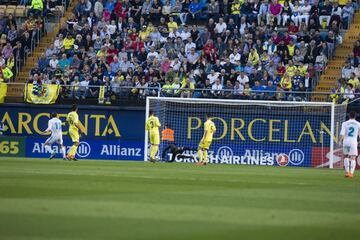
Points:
[(10, 9), (59, 11), (2, 9), (27, 8), (20, 11)]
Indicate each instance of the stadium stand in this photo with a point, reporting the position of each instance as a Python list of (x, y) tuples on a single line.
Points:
[(30, 33), (347, 52), (199, 48)]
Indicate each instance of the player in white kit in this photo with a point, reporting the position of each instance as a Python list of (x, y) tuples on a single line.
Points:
[(350, 131), (54, 126)]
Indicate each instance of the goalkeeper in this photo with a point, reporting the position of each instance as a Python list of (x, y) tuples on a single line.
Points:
[(177, 152)]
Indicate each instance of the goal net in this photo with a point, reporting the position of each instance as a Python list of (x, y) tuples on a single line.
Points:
[(302, 134)]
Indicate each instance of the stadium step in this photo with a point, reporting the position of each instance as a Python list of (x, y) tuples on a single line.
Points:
[(45, 42), (319, 98), (333, 70)]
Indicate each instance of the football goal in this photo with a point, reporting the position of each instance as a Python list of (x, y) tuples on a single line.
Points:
[(253, 132)]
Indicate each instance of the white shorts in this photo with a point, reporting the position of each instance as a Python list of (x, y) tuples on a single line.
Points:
[(54, 138), (350, 149)]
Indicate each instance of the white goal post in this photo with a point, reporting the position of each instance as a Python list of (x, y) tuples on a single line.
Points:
[(251, 132)]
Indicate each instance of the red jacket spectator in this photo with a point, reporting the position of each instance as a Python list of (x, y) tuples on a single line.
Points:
[(120, 11), (111, 52), (281, 69), (137, 45), (276, 39), (287, 38), (133, 35), (293, 29), (208, 47)]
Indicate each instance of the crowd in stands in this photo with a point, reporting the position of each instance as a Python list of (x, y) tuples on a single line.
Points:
[(245, 49), (348, 86), (17, 36)]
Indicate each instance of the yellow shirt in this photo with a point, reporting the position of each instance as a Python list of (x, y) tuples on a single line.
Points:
[(291, 50), (101, 54), (172, 25), (68, 43), (209, 128), (290, 70), (286, 83), (153, 124), (235, 8), (72, 119), (342, 2), (254, 58), (302, 70), (191, 87), (143, 35), (354, 82), (168, 88)]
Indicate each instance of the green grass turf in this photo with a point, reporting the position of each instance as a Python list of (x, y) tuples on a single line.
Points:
[(42, 199)]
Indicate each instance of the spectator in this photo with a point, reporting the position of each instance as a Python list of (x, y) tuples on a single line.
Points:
[(325, 14), (43, 63), (347, 70), (238, 90), (36, 8), (274, 12), (228, 90), (216, 89), (5, 73), (187, 89), (257, 91), (94, 87), (213, 9)]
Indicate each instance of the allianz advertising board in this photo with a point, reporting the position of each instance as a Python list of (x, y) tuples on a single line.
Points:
[(241, 138)]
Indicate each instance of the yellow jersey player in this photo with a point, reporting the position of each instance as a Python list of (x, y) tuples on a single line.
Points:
[(152, 125), (74, 127), (204, 145)]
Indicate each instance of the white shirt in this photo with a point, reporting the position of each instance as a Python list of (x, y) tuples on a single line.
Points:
[(53, 63), (175, 65), (83, 85), (238, 90), (351, 131), (305, 10), (189, 46), (58, 43), (216, 87), (185, 35), (220, 27), (54, 125), (111, 28), (152, 55), (234, 57), (174, 35), (243, 80), (212, 78)]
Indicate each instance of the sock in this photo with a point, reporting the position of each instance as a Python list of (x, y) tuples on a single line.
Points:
[(48, 148), (155, 150), (72, 151), (206, 160), (152, 155), (75, 149), (352, 166), (63, 152), (347, 165), (200, 155)]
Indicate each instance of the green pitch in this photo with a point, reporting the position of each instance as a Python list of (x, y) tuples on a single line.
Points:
[(42, 199)]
